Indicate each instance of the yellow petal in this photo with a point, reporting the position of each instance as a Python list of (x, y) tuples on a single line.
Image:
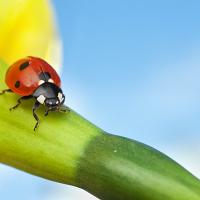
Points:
[(27, 27)]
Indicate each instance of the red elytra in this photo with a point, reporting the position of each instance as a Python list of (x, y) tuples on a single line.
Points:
[(24, 75)]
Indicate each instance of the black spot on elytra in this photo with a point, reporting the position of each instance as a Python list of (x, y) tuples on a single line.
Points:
[(24, 65), (17, 84), (45, 76)]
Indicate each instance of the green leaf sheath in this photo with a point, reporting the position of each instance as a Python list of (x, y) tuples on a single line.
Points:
[(114, 167), (69, 149)]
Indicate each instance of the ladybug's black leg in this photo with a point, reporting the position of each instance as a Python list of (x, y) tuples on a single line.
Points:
[(19, 101), (4, 91), (35, 107), (64, 108), (46, 113)]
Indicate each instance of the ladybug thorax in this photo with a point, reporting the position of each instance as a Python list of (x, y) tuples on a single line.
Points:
[(50, 95)]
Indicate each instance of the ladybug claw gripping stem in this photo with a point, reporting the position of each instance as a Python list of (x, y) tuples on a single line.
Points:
[(14, 107), (36, 125), (4, 91), (64, 109), (46, 113)]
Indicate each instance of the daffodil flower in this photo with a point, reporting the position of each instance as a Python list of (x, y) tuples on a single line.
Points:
[(27, 27), (67, 148)]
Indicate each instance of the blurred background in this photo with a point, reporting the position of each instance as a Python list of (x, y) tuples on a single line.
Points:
[(132, 68)]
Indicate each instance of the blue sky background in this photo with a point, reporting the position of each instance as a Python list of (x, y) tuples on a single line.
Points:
[(132, 68)]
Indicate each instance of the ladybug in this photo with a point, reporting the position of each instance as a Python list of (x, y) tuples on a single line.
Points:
[(32, 77)]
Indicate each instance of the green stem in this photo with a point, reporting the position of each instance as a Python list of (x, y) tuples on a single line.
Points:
[(67, 148), (114, 167)]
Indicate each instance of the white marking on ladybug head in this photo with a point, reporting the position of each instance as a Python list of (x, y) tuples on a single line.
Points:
[(57, 102), (50, 80), (41, 99), (60, 97), (40, 82)]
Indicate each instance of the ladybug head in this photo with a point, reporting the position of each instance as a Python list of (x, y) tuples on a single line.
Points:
[(54, 103), (50, 95)]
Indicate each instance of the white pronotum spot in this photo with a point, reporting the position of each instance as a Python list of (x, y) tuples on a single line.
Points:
[(50, 80), (41, 99), (40, 82)]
